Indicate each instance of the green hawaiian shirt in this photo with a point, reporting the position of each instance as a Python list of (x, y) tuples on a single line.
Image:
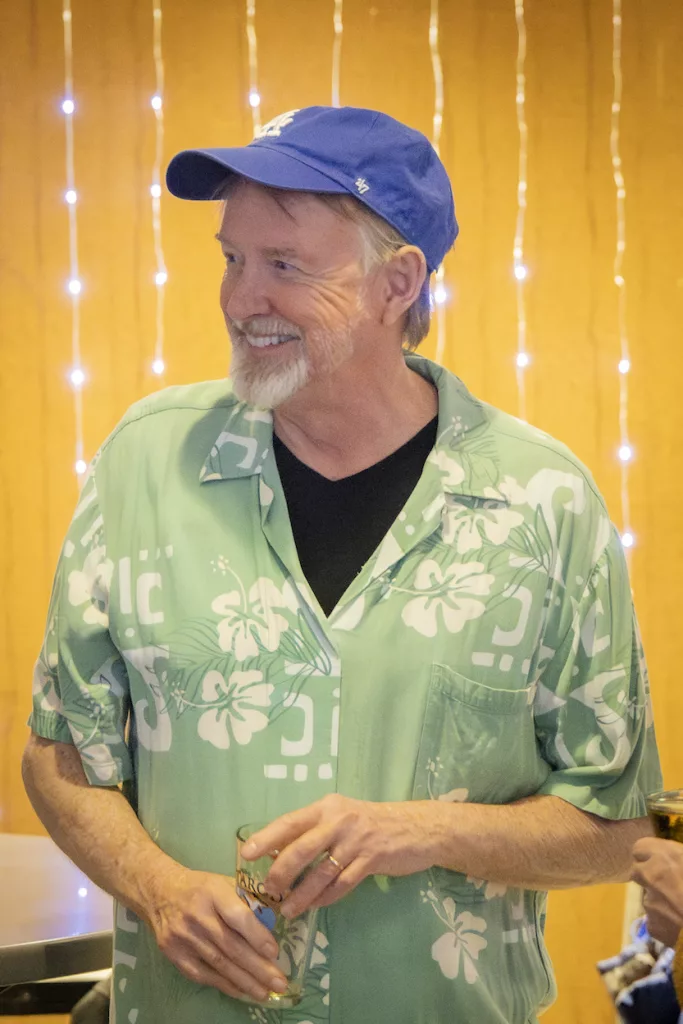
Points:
[(486, 651)]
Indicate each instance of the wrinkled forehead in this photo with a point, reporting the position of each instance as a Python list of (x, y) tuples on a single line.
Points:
[(303, 217), (292, 204)]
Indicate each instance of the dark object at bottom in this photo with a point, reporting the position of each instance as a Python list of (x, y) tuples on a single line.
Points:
[(38, 998)]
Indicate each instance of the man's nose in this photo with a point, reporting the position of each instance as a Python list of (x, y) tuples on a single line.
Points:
[(244, 294)]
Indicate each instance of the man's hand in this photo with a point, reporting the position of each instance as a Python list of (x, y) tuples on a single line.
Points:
[(211, 936), (658, 867), (355, 838)]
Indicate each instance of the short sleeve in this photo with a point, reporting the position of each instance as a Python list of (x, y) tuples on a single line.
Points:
[(593, 712), (80, 686)]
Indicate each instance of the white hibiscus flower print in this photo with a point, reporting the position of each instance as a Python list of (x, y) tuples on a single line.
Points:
[(236, 712), (448, 595), (91, 586), (467, 529), (510, 489), (250, 625), (492, 890), (461, 945), (452, 472)]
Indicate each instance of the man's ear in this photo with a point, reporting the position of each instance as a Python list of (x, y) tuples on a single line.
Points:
[(402, 278)]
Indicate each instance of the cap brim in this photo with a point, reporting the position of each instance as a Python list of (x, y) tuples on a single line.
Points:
[(199, 173)]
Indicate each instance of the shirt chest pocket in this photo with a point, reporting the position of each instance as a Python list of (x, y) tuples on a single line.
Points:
[(477, 744)]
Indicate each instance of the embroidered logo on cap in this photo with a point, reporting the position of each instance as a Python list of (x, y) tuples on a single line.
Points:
[(362, 185), (274, 127)]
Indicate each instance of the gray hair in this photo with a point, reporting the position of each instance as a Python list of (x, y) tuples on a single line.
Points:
[(380, 242)]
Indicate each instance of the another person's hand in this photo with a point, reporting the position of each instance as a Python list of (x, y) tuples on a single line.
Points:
[(658, 867), (356, 838), (212, 936)]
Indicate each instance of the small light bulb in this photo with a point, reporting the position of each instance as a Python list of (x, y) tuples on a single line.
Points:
[(157, 102), (71, 196), (440, 295), (155, 190), (77, 377), (75, 286), (82, 892), (522, 360), (627, 539), (158, 367), (625, 453), (80, 467), (521, 272), (254, 99), (68, 106), (161, 277), (624, 365)]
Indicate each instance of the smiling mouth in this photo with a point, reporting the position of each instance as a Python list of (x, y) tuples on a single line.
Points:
[(268, 340)]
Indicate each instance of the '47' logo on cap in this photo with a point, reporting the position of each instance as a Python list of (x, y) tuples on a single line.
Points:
[(274, 127), (362, 185)]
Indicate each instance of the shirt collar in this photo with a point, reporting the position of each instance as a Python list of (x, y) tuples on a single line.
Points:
[(242, 445), (464, 455)]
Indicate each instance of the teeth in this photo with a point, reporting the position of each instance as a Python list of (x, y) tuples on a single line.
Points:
[(262, 341)]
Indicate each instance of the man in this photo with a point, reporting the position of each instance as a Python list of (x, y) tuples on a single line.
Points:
[(344, 597)]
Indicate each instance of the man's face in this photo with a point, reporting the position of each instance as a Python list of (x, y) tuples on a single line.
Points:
[(292, 293)]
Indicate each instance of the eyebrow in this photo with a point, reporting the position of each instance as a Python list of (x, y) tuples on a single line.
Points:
[(272, 252)]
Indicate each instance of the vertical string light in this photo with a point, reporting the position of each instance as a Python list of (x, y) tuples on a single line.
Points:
[(440, 292), (254, 95), (161, 275), (336, 51), (625, 452), (520, 269), (633, 899), (77, 374)]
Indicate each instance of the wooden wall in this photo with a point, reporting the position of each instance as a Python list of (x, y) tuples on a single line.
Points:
[(572, 311)]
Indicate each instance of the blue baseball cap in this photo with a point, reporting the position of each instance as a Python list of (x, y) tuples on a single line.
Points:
[(392, 169)]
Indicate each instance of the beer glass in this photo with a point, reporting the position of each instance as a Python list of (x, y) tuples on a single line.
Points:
[(666, 814), (294, 936)]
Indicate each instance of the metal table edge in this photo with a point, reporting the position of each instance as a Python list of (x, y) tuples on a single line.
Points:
[(55, 958)]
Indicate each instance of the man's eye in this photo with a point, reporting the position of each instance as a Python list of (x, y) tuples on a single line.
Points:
[(281, 265), (229, 257)]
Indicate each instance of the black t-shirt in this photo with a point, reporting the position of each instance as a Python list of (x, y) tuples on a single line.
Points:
[(338, 524)]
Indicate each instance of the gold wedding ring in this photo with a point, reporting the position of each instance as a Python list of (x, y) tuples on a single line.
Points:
[(333, 860)]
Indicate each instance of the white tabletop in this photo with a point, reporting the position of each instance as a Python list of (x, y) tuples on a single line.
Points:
[(53, 920)]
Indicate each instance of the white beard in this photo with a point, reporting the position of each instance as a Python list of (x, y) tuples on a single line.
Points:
[(268, 386), (263, 386)]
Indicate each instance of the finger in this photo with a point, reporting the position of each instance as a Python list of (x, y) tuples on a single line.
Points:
[(240, 973), (308, 892), (225, 947), (197, 970), (297, 856), (282, 831), (239, 918), (645, 848), (345, 882)]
